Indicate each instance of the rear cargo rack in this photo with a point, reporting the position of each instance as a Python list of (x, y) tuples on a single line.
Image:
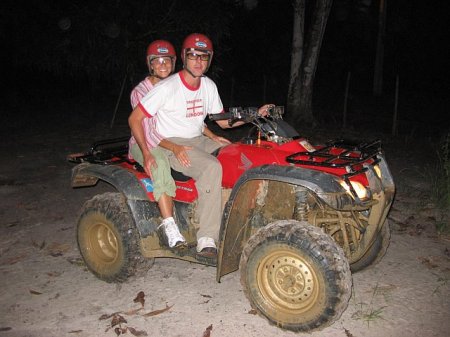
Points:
[(104, 152)]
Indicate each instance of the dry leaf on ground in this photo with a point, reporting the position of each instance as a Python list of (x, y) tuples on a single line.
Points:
[(120, 331), (132, 311), (207, 332), (348, 333), (57, 249), (140, 298), (106, 316), (76, 260), (117, 319), (39, 246), (135, 332), (14, 259), (158, 312), (428, 262)]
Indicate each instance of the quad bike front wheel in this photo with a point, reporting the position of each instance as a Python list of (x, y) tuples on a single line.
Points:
[(296, 276), (108, 240)]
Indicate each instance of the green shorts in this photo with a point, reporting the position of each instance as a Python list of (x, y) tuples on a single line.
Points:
[(162, 178)]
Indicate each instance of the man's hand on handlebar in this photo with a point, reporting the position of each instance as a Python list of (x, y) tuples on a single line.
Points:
[(237, 116), (265, 110)]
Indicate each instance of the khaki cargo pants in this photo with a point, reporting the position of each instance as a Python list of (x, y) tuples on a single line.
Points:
[(207, 172)]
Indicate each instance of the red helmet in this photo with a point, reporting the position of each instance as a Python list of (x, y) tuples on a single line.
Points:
[(160, 48), (197, 42)]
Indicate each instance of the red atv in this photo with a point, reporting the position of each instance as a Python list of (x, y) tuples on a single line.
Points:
[(297, 218)]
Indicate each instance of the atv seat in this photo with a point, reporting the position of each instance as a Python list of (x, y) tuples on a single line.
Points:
[(115, 151), (176, 175)]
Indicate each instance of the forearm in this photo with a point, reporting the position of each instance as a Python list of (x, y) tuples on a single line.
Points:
[(168, 145), (262, 111), (137, 130), (211, 135), (225, 125), (208, 133)]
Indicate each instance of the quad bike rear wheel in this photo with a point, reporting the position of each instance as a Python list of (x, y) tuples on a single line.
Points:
[(376, 251), (296, 276), (108, 239)]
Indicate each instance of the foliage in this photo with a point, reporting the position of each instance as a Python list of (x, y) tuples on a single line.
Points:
[(441, 188), (442, 283), (440, 175), (445, 160), (367, 312)]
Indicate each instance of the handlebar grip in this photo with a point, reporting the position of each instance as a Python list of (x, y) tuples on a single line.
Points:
[(220, 116)]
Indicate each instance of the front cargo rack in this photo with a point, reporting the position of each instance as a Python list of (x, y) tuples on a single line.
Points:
[(341, 154), (338, 154)]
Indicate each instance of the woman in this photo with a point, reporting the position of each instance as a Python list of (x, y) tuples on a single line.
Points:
[(161, 58)]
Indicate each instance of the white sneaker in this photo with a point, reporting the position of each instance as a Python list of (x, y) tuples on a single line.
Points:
[(172, 232), (205, 242)]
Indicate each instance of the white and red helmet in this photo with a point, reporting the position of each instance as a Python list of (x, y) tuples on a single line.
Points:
[(197, 42), (160, 48)]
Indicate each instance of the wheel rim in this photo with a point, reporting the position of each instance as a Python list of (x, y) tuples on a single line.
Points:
[(103, 243), (287, 282)]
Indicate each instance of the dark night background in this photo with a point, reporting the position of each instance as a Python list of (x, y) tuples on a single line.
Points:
[(64, 61)]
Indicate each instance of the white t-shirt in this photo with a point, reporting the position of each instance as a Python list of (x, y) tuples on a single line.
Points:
[(179, 110)]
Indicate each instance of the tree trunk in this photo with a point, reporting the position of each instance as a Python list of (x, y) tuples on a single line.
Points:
[(320, 16), (294, 99), (300, 97), (378, 73)]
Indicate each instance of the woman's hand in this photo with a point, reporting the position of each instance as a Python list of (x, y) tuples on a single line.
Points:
[(149, 163)]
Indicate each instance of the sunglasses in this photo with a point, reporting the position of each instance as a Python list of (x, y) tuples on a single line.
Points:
[(195, 56)]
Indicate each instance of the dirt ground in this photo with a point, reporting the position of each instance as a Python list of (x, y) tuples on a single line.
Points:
[(45, 290)]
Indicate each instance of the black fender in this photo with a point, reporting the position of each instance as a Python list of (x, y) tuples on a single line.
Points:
[(238, 207), (144, 211)]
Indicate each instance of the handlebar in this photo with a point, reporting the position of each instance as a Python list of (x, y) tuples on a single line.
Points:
[(220, 117), (249, 114), (271, 126)]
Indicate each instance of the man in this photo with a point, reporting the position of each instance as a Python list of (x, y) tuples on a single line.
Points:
[(161, 58), (179, 105)]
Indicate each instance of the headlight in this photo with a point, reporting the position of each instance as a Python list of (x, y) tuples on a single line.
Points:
[(377, 170), (360, 190)]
